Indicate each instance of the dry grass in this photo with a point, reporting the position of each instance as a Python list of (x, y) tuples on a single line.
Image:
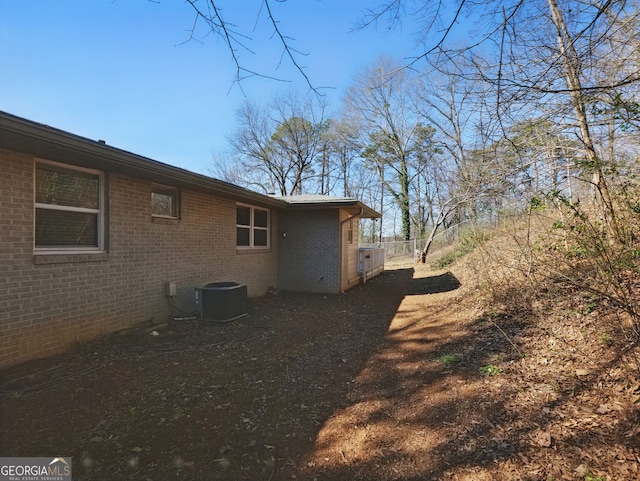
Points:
[(578, 376), (498, 369)]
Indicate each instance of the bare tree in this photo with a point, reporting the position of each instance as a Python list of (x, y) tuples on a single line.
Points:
[(572, 62), (237, 37), (454, 107), (573, 73), (225, 167), (343, 147), (395, 138), (279, 147), (251, 143), (539, 55)]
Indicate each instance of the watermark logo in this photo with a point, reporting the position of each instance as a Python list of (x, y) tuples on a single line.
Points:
[(35, 469)]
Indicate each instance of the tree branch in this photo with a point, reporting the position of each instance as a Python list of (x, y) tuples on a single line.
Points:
[(233, 40)]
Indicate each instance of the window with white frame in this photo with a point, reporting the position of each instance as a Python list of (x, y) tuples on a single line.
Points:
[(252, 227), (164, 201), (69, 208)]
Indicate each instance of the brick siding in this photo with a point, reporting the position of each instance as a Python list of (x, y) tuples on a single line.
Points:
[(308, 260), (49, 302)]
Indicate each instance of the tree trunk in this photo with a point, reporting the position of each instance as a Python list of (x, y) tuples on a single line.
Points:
[(571, 63), (441, 217), (404, 202)]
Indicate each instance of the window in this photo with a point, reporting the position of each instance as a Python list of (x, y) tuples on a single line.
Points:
[(252, 227), (350, 232), (69, 208), (164, 201)]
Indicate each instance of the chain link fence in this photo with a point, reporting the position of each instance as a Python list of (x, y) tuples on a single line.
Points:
[(404, 252)]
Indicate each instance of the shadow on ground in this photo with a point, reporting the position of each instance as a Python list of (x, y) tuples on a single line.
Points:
[(434, 284), (244, 400), (389, 381), (454, 398)]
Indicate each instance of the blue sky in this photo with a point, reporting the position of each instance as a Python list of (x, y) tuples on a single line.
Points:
[(126, 72)]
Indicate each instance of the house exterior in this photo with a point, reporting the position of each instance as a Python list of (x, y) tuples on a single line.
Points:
[(313, 229), (90, 235)]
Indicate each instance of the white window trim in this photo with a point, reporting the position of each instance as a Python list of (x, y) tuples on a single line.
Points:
[(100, 248), (176, 199), (253, 228)]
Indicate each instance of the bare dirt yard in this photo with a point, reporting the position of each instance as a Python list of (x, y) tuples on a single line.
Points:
[(407, 377)]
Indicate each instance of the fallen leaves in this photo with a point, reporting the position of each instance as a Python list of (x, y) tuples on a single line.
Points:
[(543, 439), (324, 391)]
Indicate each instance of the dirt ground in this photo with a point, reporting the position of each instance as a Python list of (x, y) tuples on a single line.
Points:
[(403, 378)]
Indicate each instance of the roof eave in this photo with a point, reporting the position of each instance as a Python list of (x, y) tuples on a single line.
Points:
[(43, 141), (366, 211)]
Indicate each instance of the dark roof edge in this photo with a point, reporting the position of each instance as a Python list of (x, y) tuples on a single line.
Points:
[(42, 132), (34, 131), (367, 212)]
